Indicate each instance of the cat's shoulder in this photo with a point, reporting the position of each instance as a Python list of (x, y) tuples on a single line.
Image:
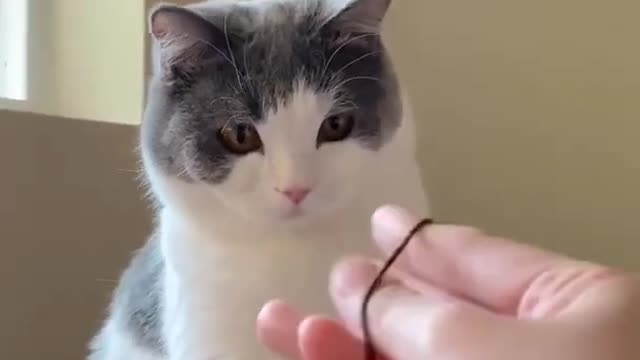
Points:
[(137, 300)]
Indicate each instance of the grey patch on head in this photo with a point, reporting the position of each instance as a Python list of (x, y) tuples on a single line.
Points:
[(136, 307), (248, 61)]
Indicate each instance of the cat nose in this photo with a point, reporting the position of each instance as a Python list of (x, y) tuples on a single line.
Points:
[(295, 193)]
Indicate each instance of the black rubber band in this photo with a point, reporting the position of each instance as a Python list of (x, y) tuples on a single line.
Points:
[(369, 349)]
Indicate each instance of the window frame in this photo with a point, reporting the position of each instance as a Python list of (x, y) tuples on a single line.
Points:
[(19, 51)]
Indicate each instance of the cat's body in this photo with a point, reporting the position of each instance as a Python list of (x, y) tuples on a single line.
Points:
[(234, 227)]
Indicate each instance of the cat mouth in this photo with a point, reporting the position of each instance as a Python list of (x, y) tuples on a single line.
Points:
[(294, 212)]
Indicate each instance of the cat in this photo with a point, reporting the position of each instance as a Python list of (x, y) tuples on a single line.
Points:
[(273, 129)]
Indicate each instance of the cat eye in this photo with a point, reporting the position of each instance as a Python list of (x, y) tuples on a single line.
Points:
[(240, 137), (336, 128)]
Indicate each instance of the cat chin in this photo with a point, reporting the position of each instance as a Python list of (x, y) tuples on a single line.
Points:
[(284, 217)]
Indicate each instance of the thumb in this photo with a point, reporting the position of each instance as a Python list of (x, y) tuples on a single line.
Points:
[(409, 324)]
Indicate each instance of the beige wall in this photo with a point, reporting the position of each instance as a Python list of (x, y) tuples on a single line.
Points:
[(530, 117), (98, 60), (71, 212)]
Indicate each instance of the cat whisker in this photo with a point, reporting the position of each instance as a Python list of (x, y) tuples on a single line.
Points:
[(232, 118), (353, 62), (233, 58), (224, 56), (216, 49), (223, 98), (356, 78), (345, 105), (326, 66), (239, 113), (248, 79), (184, 171)]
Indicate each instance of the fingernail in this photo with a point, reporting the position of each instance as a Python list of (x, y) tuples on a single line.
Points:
[(352, 276), (390, 225)]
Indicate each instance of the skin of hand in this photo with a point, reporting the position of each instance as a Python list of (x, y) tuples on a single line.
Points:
[(459, 294)]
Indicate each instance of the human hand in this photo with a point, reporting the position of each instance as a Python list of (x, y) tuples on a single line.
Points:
[(459, 294)]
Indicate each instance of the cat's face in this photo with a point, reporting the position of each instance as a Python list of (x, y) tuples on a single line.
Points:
[(274, 109)]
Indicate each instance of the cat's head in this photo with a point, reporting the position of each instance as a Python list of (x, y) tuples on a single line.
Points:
[(273, 109)]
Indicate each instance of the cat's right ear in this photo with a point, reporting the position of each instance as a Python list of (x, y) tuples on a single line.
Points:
[(183, 41), (362, 16)]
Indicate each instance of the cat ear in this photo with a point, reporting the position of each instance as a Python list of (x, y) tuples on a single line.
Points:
[(184, 40), (362, 16)]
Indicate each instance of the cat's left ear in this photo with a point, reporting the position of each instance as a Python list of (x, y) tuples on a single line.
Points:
[(362, 16)]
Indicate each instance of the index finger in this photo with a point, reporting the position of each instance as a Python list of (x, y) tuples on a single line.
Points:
[(491, 271)]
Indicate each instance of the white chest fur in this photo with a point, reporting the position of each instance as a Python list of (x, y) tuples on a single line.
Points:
[(220, 274), (215, 287)]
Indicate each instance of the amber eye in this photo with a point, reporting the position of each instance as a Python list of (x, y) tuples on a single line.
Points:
[(240, 137), (336, 128)]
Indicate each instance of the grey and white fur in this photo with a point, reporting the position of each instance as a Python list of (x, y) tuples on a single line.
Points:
[(273, 130)]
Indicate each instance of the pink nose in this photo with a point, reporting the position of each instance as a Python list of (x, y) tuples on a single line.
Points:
[(296, 194)]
